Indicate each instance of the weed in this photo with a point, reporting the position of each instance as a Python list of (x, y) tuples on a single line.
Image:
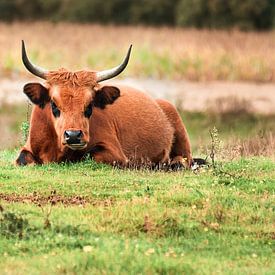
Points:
[(25, 131), (215, 145), (47, 212)]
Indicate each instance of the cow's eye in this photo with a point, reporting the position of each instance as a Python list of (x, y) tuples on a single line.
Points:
[(89, 110), (55, 110)]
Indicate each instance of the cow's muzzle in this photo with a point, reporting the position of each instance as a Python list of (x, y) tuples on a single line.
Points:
[(74, 139)]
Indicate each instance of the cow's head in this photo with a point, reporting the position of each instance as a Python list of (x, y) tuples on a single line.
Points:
[(71, 96)]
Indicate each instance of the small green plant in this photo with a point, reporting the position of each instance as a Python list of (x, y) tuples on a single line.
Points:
[(216, 149), (47, 212), (25, 126), (215, 145)]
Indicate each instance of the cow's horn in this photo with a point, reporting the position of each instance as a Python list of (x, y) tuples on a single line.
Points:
[(107, 74), (40, 72)]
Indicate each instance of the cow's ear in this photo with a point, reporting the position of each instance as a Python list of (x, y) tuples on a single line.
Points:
[(106, 95), (37, 94)]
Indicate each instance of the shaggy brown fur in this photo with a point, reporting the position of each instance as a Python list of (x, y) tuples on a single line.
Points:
[(125, 123), (75, 79)]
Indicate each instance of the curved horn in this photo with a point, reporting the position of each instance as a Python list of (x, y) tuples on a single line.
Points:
[(40, 72), (107, 74)]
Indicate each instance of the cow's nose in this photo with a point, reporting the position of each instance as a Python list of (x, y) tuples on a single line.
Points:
[(73, 137)]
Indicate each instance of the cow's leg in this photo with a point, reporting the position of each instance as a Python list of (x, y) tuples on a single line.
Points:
[(181, 150), (41, 146), (26, 158), (109, 154)]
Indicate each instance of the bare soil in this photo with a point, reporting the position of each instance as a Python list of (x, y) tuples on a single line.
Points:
[(53, 199)]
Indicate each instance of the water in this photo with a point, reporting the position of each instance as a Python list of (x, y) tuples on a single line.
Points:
[(191, 96)]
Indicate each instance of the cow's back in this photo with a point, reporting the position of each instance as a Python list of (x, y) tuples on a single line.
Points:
[(138, 123)]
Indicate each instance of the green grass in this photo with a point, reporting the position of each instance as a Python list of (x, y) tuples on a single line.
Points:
[(137, 222)]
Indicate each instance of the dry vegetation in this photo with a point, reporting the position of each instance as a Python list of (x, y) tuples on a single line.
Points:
[(158, 52), (260, 145)]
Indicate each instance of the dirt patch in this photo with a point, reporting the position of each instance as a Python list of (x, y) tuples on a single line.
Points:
[(53, 199)]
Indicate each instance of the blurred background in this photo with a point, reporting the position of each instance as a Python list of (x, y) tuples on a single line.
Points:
[(214, 59)]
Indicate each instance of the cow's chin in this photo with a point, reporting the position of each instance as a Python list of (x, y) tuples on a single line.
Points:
[(76, 147)]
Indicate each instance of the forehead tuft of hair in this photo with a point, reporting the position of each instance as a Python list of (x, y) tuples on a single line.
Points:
[(75, 79)]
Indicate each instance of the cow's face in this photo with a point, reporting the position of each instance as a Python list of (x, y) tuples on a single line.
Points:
[(71, 97), (71, 108)]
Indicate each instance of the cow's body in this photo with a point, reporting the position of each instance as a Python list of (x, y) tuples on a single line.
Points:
[(135, 127), (74, 116)]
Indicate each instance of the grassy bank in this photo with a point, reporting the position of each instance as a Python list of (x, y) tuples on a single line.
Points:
[(87, 217), (158, 52)]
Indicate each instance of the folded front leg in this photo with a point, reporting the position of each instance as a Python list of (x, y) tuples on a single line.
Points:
[(26, 158), (110, 155)]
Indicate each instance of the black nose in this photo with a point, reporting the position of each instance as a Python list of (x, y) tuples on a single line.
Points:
[(73, 137)]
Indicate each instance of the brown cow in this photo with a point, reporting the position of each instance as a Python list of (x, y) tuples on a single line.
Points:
[(74, 116)]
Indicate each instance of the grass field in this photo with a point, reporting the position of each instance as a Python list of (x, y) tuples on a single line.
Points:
[(90, 218), (158, 52)]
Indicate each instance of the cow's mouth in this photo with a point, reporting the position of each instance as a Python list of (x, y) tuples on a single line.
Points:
[(77, 146)]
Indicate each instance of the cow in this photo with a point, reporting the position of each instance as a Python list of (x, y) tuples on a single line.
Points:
[(75, 116)]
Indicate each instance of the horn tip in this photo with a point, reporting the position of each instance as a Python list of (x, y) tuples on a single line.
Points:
[(129, 50), (23, 46)]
